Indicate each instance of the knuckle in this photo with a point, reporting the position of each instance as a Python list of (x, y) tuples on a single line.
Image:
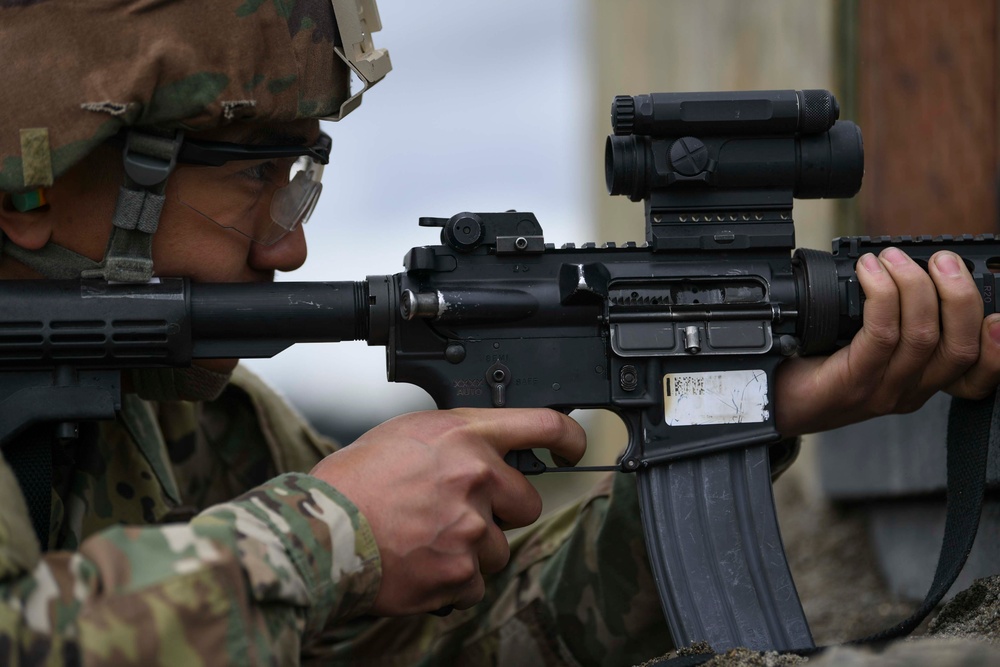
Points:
[(923, 338), (461, 570), (476, 472), (883, 337), (473, 528), (549, 425), (961, 354)]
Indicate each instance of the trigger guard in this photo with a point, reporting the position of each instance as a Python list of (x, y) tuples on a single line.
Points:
[(631, 458)]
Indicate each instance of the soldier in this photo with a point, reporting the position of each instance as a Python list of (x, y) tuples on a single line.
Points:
[(187, 531)]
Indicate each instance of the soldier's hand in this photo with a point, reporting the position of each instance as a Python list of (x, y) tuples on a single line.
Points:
[(434, 485), (923, 332)]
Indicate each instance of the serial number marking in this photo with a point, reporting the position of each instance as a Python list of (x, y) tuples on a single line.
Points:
[(715, 397)]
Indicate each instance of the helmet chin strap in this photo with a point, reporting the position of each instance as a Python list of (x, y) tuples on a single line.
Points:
[(149, 159), (51, 260)]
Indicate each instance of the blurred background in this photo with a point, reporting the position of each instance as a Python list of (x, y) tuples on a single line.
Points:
[(500, 105)]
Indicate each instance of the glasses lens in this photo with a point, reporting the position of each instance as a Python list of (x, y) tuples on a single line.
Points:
[(263, 201), (292, 205)]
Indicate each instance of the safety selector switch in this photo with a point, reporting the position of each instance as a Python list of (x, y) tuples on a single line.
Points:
[(498, 377)]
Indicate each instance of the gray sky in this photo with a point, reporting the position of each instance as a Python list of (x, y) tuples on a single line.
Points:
[(483, 111)]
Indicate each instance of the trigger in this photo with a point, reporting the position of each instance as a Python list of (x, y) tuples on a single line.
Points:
[(525, 461)]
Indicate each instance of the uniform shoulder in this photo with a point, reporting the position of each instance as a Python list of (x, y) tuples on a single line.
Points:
[(294, 444)]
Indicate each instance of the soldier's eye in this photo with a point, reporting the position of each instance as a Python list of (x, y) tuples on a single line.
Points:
[(259, 172)]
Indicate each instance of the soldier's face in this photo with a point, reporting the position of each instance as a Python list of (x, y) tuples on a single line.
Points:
[(186, 243), (190, 244)]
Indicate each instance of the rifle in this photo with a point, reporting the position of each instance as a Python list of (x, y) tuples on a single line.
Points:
[(680, 337)]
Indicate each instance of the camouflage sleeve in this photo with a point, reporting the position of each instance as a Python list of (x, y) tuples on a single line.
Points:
[(242, 583), (577, 591)]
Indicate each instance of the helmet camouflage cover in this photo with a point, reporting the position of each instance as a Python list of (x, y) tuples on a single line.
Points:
[(77, 71)]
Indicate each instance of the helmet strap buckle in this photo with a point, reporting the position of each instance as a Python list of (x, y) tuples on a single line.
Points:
[(149, 159)]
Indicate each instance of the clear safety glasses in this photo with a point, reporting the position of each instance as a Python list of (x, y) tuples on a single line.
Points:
[(262, 192)]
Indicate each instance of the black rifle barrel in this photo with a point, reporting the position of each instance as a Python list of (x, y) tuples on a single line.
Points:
[(64, 343), (259, 320), (170, 321)]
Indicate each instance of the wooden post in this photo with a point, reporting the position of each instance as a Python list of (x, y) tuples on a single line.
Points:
[(927, 74)]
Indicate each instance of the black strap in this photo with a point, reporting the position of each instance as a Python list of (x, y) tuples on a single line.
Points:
[(30, 457), (973, 429)]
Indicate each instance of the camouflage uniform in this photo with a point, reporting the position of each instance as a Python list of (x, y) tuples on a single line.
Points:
[(289, 567), (250, 579), (241, 582)]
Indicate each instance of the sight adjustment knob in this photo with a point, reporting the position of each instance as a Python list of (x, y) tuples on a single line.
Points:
[(623, 114), (464, 231), (688, 156)]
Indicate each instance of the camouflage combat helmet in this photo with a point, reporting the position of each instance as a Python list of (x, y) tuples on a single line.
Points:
[(79, 73)]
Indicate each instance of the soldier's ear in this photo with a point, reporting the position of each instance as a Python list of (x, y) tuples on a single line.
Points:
[(29, 229)]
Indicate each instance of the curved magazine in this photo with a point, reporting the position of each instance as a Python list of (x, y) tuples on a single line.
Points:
[(716, 553)]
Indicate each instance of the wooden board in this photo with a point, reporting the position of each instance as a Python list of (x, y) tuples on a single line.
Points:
[(927, 73)]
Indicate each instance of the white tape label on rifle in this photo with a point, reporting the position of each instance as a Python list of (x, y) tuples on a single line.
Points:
[(715, 397)]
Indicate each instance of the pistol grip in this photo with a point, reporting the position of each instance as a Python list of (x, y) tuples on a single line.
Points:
[(525, 461)]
